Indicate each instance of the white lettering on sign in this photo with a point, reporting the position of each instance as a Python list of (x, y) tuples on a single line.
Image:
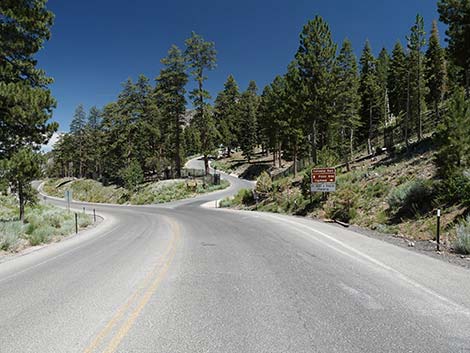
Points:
[(323, 180)]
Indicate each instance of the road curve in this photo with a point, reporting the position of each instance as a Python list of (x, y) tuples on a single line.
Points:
[(183, 278)]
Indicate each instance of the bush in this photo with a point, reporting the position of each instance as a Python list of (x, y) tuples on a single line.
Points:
[(41, 235), (10, 233), (462, 244), (376, 190), (132, 175), (42, 224), (264, 184), (227, 202), (84, 220), (244, 197), (343, 207), (454, 190), (411, 198)]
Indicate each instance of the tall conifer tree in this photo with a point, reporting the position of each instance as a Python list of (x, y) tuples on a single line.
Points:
[(347, 100), (416, 43), (316, 58), (248, 120), (369, 95), (227, 114), (456, 14), (436, 71), (172, 102), (201, 56), (25, 101), (383, 64)]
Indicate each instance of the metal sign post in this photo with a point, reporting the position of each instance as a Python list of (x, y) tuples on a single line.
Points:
[(438, 231), (68, 198)]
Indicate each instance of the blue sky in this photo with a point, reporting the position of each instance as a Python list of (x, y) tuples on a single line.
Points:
[(96, 45)]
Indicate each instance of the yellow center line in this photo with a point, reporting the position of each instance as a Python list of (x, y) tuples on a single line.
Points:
[(116, 340), (121, 311)]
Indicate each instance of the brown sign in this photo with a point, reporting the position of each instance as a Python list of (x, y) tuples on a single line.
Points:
[(323, 175), (323, 180)]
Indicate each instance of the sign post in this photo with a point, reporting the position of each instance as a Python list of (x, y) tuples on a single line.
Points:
[(438, 231), (323, 180), (68, 198)]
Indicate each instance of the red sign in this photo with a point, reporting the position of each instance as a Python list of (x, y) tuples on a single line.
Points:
[(323, 175)]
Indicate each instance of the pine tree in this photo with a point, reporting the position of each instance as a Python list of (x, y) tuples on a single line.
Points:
[(456, 14), (436, 71), (94, 118), (383, 69), (454, 137), (148, 132), (347, 100), (25, 101), (77, 129), (63, 155), (172, 102), (201, 56), (398, 91), (118, 125), (270, 116), (369, 95), (295, 94), (316, 58), (248, 120), (227, 114), (416, 43), (397, 81), (126, 125), (23, 167), (79, 120), (93, 144)]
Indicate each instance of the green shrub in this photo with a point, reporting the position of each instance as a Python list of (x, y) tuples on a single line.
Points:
[(244, 197), (42, 223), (376, 190), (227, 202), (327, 157), (462, 244), (132, 175), (10, 233), (264, 184), (41, 235), (343, 207), (411, 198), (454, 190), (84, 220)]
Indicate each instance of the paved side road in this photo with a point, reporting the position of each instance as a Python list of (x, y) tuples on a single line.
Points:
[(181, 278)]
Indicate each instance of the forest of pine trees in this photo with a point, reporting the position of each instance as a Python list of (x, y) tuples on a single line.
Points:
[(328, 106)]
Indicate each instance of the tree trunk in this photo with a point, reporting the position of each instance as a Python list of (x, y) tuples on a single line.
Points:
[(206, 164), (467, 81), (21, 199), (407, 113), (295, 160), (385, 117), (314, 142), (274, 158), (420, 121), (177, 148), (280, 155), (351, 143), (369, 139)]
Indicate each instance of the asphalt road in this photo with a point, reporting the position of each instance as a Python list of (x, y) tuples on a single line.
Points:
[(186, 278)]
